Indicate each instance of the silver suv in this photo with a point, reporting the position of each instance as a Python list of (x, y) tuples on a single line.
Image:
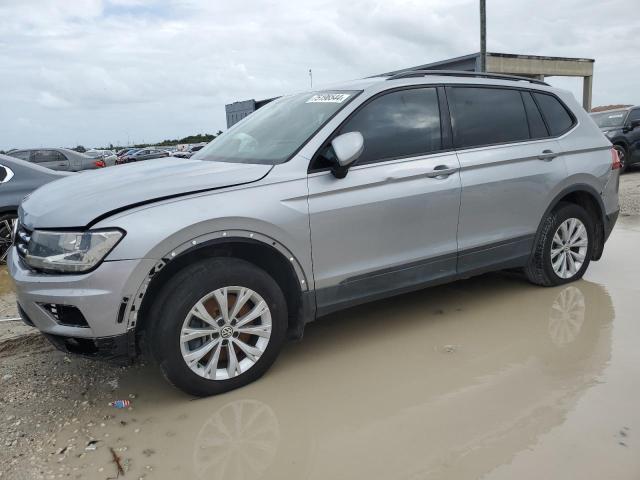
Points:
[(314, 203)]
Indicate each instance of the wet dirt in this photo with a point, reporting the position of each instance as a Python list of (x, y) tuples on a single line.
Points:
[(485, 378), (11, 332)]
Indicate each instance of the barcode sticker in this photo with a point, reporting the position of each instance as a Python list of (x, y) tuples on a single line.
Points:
[(329, 98)]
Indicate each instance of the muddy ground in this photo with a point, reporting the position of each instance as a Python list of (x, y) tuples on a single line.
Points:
[(490, 377)]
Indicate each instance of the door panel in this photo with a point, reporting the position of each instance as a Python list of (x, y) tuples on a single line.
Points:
[(505, 191), (384, 228)]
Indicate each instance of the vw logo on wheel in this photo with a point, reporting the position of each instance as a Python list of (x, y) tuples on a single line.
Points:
[(226, 331)]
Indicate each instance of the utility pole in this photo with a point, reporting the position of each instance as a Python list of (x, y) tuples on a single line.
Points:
[(483, 35)]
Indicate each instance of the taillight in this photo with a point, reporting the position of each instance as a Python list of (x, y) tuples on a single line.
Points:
[(616, 164), (100, 163)]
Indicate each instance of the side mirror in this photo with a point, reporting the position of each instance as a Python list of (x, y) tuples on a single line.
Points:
[(347, 147)]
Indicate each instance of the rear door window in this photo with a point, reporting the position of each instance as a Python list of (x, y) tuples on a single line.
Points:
[(558, 119), (42, 156), (486, 116)]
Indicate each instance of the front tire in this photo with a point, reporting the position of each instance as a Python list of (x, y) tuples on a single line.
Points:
[(564, 247), (219, 324)]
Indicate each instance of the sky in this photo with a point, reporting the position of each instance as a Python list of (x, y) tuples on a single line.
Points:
[(95, 72)]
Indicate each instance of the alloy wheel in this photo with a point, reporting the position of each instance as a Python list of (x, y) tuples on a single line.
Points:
[(225, 333), (569, 248)]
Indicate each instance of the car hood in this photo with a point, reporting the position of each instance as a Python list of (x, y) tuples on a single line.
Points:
[(77, 200)]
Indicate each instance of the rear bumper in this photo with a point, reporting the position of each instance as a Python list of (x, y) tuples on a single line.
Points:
[(610, 222)]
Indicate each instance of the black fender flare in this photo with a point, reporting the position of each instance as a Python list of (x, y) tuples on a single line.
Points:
[(595, 195)]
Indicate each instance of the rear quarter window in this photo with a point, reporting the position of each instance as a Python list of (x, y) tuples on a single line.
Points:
[(537, 127), (556, 116)]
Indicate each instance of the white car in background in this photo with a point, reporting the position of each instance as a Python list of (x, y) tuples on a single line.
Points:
[(189, 151), (107, 156)]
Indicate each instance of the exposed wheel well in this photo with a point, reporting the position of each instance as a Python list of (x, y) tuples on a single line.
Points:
[(622, 144), (587, 201), (258, 253)]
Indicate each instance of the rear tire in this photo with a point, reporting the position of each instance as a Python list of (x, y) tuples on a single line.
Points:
[(564, 246), (194, 302)]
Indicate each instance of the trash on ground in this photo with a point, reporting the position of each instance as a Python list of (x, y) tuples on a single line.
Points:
[(120, 403), (92, 445)]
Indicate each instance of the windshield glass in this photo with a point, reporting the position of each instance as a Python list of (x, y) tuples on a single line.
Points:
[(274, 132), (609, 119)]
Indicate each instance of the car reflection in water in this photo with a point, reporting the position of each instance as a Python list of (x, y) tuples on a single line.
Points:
[(373, 392)]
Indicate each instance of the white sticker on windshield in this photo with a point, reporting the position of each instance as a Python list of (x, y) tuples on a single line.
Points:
[(329, 98), (619, 115)]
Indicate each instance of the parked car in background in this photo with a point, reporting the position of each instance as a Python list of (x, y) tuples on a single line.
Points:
[(123, 153), (58, 159), (189, 152), (143, 154), (107, 156), (316, 202), (622, 127), (18, 179)]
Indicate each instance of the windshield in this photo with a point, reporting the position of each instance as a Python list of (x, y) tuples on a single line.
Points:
[(276, 131), (614, 118)]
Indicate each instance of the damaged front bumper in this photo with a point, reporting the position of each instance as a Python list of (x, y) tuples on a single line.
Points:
[(82, 314)]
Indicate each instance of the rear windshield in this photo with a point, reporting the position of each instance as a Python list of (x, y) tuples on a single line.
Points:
[(609, 119), (273, 133)]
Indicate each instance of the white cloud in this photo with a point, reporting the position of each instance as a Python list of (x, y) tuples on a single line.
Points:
[(94, 72)]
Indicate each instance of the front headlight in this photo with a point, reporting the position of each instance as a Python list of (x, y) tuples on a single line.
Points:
[(71, 252)]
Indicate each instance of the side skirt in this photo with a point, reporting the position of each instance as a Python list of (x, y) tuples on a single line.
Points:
[(386, 283)]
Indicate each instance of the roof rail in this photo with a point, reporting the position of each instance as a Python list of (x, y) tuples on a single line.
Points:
[(462, 73)]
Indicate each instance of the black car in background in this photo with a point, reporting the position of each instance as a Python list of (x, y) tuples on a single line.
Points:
[(622, 127)]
